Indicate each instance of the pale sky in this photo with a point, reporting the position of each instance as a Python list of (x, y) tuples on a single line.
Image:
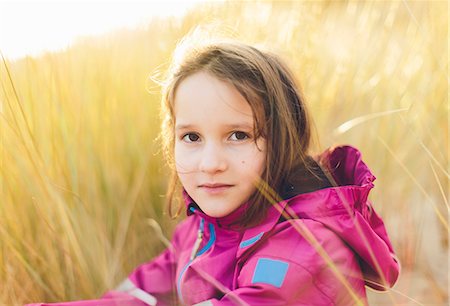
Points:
[(31, 27)]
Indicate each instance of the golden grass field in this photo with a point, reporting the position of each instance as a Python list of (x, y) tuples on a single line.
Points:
[(82, 172)]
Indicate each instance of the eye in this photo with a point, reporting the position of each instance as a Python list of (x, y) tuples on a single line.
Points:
[(236, 136), (190, 137)]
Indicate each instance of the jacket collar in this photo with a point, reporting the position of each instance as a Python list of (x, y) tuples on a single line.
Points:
[(227, 222)]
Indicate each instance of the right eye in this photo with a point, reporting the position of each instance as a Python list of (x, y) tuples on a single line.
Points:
[(190, 137)]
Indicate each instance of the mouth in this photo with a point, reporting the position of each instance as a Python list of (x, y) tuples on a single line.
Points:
[(215, 188)]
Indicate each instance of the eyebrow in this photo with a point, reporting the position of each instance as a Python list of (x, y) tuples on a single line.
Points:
[(227, 126)]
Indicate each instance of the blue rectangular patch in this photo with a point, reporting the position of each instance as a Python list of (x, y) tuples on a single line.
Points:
[(270, 271)]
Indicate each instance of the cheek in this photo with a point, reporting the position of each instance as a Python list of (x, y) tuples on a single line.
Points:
[(183, 160), (253, 163), (258, 159), (259, 165)]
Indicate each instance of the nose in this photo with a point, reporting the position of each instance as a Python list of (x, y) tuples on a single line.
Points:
[(212, 159)]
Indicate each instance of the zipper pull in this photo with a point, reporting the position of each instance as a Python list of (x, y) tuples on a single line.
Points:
[(197, 242)]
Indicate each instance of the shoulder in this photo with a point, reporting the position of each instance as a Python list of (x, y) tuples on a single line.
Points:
[(301, 239)]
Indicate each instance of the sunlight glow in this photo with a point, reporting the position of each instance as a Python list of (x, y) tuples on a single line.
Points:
[(29, 28)]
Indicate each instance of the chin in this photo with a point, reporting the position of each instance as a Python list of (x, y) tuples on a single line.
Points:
[(215, 208), (216, 214)]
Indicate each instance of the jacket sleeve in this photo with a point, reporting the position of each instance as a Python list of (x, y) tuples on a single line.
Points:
[(152, 282), (155, 281), (149, 284)]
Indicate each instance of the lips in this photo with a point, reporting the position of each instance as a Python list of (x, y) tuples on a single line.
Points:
[(215, 188), (215, 185)]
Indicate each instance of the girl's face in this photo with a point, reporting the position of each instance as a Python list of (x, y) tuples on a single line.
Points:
[(216, 157)]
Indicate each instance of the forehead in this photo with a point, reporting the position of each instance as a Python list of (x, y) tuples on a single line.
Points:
[(203, 100)]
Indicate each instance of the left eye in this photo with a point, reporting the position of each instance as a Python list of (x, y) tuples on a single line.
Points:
[(239, 136)]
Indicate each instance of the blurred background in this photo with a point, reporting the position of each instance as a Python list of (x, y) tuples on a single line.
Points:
[(81, 171)]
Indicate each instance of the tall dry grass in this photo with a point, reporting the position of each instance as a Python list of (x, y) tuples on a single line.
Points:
[(81, 173)]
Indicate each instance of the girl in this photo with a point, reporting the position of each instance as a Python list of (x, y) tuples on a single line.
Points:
[(267, 224)]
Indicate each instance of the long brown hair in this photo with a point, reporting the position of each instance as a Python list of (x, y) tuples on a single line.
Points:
[(278, 107)]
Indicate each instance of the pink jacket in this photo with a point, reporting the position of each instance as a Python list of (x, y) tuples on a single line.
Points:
[(334, 246)]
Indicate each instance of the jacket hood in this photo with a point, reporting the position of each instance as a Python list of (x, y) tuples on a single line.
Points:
[(346, 210), (342, 207)]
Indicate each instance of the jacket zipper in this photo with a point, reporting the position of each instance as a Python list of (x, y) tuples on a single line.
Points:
[(198, 241), (193, 254)]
